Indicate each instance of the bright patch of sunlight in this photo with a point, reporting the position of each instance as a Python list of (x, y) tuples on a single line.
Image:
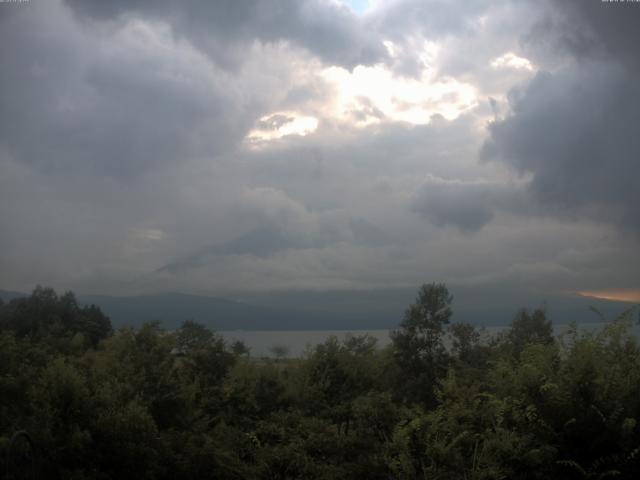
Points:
[(511, 60), (281, 124), (371, 94), (618, 295)]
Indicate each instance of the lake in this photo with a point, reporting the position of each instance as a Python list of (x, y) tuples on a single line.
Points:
[(297, 341)]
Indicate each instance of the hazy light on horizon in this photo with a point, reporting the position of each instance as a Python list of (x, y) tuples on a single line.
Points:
[(617, 295)]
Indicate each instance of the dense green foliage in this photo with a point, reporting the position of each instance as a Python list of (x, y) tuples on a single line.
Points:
[(442, 401)]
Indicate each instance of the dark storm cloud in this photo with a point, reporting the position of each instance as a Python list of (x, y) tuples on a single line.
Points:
[(267, 241), (465, 208), (591, 29), (69, 103), (469, 206), (575, 130), (260, 242), (325, 28), (366, 233)]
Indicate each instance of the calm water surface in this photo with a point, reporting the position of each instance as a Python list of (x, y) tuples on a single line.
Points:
[(298, 341)]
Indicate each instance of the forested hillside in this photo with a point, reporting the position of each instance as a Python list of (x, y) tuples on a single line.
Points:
[(80, 400)]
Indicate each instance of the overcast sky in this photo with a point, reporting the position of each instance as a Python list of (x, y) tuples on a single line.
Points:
[(216, 147)]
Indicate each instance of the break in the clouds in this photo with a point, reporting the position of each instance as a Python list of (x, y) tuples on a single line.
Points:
[(219, 147)]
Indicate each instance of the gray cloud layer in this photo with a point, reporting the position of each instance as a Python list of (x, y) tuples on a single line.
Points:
[(123, 147)]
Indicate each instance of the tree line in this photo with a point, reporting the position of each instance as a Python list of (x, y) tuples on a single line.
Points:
[(79, 400)]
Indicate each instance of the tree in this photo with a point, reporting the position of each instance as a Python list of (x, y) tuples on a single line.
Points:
[(529, 328), (193, 336), (418, 347), (279, 351), (240, 348), (56, 319), (467, 346)]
